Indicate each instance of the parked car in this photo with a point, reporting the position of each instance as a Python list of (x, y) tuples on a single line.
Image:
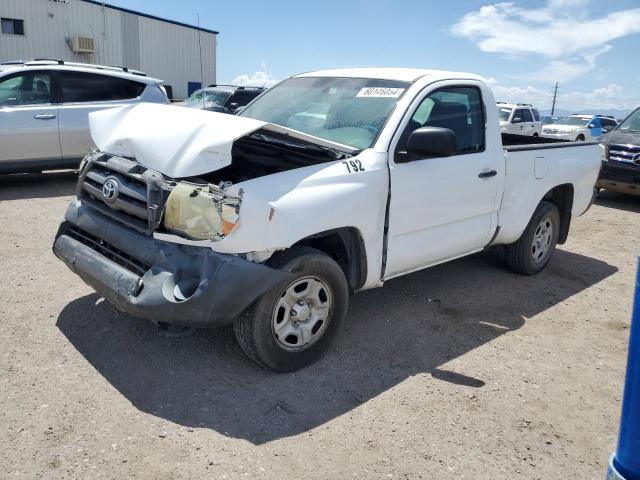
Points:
[(222, 98), (549, 119), (44, 107), (579, 127), (202, 219), (620, 169), (519, 119)]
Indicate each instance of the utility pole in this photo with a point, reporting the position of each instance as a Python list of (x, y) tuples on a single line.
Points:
[(555, 93)]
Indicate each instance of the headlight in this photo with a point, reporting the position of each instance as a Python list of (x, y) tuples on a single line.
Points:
[(605, 152), (202, 212)]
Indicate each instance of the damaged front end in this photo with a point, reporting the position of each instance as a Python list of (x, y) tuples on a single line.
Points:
[(108, 239), (141, 198)]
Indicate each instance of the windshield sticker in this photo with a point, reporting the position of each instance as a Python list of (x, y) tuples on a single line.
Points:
[(380, 92)]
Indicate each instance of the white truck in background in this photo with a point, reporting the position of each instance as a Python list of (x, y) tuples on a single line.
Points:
[(519, 119), (197, 219)]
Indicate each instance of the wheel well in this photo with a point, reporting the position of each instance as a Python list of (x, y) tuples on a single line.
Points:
[(346, 246), (562, 197)]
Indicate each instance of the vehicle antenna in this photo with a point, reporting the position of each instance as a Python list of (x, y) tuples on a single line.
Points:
[(555, 93)]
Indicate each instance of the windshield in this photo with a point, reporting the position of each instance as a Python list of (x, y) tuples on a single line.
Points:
[(350, 111), (631, 123), (504, 114), (573, 121), (217, 97)]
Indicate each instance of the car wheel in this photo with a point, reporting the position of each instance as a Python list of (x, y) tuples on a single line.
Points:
[(533, 250), (293, 324), (580, 138), (535, 134)]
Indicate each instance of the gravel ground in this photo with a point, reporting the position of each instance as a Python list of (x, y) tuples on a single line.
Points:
[(464, 370)]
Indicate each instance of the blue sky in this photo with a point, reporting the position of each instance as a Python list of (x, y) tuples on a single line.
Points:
[(591, 47)]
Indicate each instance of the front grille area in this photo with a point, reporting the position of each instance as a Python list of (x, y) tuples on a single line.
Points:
[(107, 250), (627, 155), (136, 192)]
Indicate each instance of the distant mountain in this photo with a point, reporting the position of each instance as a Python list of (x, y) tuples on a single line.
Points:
[(619, 114)]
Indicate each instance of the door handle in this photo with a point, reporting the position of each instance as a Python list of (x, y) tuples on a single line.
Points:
[(487, 174), (44, 116)]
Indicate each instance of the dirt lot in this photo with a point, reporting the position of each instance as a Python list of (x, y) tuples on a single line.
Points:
[(461, 371)]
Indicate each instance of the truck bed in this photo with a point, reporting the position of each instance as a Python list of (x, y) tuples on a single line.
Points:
[(513, 143)]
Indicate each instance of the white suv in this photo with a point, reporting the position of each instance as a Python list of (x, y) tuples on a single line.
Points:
[(44, 107), (519, 119)]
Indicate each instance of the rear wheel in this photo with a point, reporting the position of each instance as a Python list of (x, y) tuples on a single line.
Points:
[(533, 250), (294, 322), (580, 138)]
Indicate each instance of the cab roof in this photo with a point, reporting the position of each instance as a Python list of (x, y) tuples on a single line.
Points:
[(399, 74)]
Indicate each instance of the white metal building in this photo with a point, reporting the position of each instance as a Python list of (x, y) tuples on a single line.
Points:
[(89, 31)]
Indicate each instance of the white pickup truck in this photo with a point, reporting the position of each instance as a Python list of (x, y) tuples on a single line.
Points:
[(329, 183)]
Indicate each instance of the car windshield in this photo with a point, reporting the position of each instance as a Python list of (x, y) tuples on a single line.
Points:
[(573, 121), (632, 123), (504, 114), (350, 111), (217, 97), (548, 120)]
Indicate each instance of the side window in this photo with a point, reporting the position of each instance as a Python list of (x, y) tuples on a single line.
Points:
[(91, 87), (519, 113), (526, 116), (536, 114), (29, 88), (455, 108), (241, 97)]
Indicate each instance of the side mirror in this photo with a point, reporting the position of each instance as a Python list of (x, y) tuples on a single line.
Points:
[(591, 125), (516, 120), (233, 106), (428, 142)]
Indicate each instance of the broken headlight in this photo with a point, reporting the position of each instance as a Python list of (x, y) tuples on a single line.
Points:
[(202, 212)]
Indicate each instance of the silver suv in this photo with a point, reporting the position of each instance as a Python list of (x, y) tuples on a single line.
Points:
[(44, 107)]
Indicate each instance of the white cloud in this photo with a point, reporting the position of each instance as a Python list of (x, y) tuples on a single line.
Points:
[(609, 97), (561, 31), (261, 78)]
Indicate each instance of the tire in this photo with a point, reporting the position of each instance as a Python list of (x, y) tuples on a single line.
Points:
[(580, 138), (535, 134), (268, 333), (535, 247)]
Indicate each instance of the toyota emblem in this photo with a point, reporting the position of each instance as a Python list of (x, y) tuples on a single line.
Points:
[(110, 190)]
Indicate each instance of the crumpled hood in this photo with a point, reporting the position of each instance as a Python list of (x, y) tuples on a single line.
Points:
[(179, 142)]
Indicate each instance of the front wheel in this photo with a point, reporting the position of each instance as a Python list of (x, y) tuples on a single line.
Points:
[(294, 323), (580, 138), (533, 250)]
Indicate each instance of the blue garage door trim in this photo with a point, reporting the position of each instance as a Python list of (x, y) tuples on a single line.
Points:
[(192, 87)]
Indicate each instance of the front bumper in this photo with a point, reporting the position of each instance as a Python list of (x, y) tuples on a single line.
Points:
[(157, 280), (619, 178), (560, 136)]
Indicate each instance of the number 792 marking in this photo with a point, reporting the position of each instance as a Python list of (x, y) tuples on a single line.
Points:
[(354, 166)]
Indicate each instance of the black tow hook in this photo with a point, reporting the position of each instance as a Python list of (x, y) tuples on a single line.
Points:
[(172, 331)]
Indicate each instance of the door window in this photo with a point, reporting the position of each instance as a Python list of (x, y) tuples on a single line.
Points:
[(29, 88), (456, 108), (91, 87), (242, 97), (526, 116)]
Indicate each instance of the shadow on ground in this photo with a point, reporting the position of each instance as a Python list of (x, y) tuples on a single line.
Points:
[(37, 185), (414, 324), (620, 201)]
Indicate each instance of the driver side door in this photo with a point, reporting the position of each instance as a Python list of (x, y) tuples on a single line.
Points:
[(443, 207)]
